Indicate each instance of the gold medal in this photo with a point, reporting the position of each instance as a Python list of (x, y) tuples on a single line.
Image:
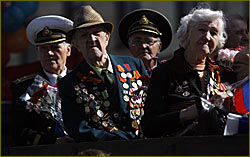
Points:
[(95, 118), (100, 113), (79, 99), (134, 85), (186, 93), (104, 123), (106, 103), (125, 85), (87, 110), (134, 124), (126, 98), (105, 94), (139, 82), (123, 75)]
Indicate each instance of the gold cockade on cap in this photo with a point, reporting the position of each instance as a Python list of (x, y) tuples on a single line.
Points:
[(144, 20), (46, 31)]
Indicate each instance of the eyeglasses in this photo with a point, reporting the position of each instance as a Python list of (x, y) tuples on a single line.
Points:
[(137, 42)]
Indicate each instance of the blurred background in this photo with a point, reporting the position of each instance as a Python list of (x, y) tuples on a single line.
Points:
[(19, 58)]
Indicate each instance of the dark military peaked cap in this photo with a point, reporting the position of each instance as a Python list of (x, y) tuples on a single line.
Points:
[(48, 29), (146, 20)]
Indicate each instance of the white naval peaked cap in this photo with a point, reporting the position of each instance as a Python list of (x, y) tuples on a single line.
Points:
[(48, 29)]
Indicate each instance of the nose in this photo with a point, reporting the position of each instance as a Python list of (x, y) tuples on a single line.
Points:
[(144, 45), (92, 37), (207, 36), (51, 53)]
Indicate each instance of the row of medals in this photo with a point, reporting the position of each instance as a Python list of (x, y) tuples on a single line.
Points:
[(136, 102), (96, 106), (183, 89)]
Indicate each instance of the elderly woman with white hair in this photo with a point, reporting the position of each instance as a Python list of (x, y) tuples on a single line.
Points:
[(179, 87)]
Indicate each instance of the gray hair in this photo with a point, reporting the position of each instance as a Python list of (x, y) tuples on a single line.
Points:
[(187, 22)]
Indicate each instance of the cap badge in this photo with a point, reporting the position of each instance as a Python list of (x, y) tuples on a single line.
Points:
[(46, 31), (143, 20)]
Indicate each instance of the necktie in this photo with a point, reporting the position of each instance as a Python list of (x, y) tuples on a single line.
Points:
[(109, 81), (108, 78)]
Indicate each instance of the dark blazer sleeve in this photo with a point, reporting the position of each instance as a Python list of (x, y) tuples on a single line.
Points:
[(19, 114)]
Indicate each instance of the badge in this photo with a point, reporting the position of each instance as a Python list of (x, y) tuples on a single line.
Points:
[(97, 107), (134, 85), (97, 93), (116, 115), (129, 75), (122, 79), (186, 93), (125, 92), (229, 93), (112, 129), (86, 99), (133, 100), (104, 123), (127, 67), (126, 98), (132, 105), (85, 91), (95, 118), (106, 103), (123, 75), (120, 68), (105, 94), (137, 132), (131, 90), (125, 85), (100, 113), (87, 110), (179, 89), (139, 82), (79, 99), (76, 87), (132, 115), (184, 83), (139, 101), (134, 124), (136, 74)]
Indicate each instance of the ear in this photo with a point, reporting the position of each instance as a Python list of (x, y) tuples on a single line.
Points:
[(160, 46), (68, 50), (107, 36)]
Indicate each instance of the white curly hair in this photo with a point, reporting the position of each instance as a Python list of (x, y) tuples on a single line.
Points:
[(189, 21)]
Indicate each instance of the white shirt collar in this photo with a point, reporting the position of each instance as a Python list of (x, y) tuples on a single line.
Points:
[(53, 77)]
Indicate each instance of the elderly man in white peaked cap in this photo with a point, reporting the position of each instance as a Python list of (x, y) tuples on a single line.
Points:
[(37, 119)]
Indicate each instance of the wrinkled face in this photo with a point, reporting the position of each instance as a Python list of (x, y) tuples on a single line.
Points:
[(237, 34), (53, 56), (204, 38), (144, 45), (91, 42)]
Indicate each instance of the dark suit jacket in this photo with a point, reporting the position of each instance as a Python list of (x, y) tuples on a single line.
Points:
[(80, 125), (28, 126)]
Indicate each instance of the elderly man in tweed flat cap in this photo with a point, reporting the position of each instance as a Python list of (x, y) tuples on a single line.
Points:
[(146, 33), (96, 96), (48, 34)]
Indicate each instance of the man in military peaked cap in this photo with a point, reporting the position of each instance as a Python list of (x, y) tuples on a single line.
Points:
[(146, 33), (48, 34), (96, 96)]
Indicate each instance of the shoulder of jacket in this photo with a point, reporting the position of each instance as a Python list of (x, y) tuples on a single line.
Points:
[(25, 78)]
